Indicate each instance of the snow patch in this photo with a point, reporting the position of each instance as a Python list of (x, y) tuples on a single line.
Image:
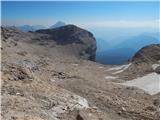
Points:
[(149, 83), (154, 66), (100, 67), (75, 64), (118, 72), (119, 69), (110, 77), (116, 68), (52, 80)]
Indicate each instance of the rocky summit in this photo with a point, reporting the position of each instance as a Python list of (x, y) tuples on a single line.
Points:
[(51, 75), (146, 60), (79, 40), (149, 54)]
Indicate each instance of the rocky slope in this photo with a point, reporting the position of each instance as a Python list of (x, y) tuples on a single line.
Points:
[(43, 79), (81, 41), (145, 61), (149, 54)]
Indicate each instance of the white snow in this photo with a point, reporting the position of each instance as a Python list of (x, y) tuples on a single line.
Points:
[(119, 69), (149, 83), (154, 66), (116, 68), (52, 80), (110, 77), (100, 67), (75, 64)]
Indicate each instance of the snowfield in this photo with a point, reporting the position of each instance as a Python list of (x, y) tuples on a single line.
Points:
[(149, 83), (119, 69), (110, 77), (154, 66)]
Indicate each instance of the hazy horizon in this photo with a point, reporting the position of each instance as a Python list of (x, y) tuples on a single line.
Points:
[(105, 19), (84, 14)]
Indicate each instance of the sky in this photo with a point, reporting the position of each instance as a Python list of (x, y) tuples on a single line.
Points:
[(84, 14)]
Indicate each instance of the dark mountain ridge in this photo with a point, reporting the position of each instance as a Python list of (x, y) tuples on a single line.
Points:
[(79, 39)]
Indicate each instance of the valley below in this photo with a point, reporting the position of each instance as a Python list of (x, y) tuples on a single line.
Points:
[(51, 74)]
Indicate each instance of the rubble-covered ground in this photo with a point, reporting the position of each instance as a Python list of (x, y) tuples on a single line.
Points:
[(46, 83)]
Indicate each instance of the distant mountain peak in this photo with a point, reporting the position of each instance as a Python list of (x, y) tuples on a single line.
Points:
[(58, 24), (26, 28)]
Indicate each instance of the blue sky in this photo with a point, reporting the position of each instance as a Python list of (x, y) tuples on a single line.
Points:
[(87, 14)]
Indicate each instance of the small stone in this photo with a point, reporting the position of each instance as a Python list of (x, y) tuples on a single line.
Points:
[(123, 109), (18, 93)]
